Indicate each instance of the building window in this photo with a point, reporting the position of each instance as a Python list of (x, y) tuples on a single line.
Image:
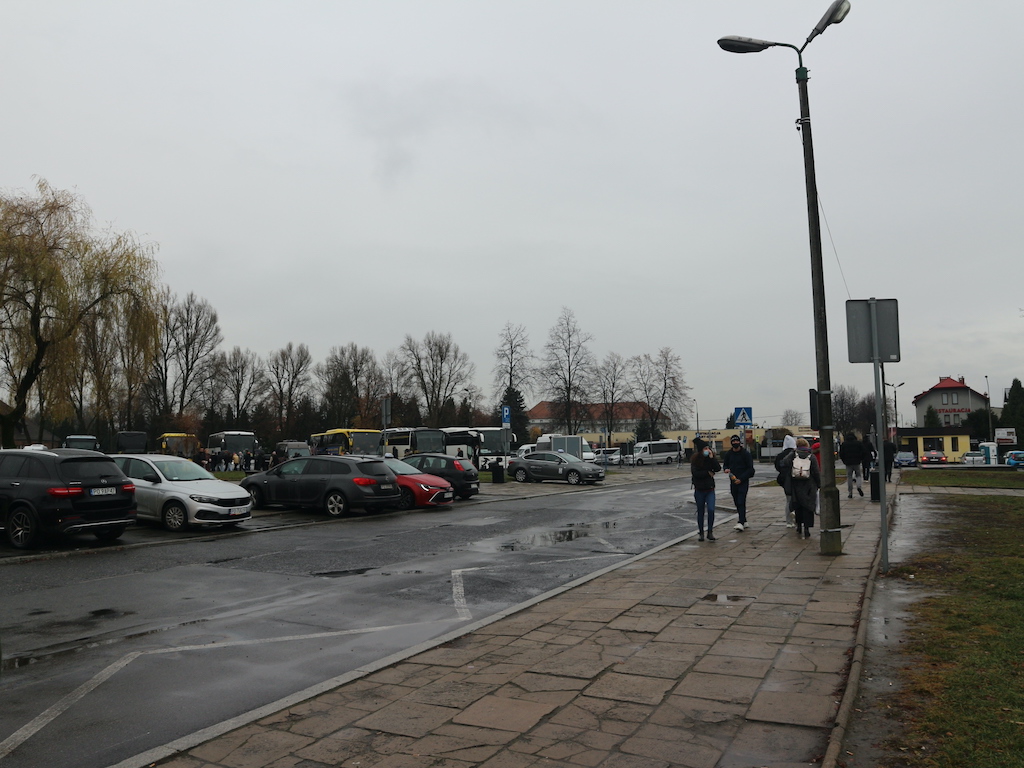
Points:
[(956, 398), (945, 419), (945, 398), (956, 421), (954, 444)]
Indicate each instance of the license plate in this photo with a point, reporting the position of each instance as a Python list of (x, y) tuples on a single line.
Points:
[(386, 486), (449, 495), (102, 491), (237, 511)]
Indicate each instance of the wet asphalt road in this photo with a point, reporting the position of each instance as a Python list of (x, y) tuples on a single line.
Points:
[(135, 647)]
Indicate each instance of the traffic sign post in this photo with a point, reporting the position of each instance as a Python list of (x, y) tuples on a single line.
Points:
[(743, 418)]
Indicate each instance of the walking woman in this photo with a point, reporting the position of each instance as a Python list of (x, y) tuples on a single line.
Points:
[(703, 466)]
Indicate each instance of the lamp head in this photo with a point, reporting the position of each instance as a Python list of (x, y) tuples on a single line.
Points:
[(835, 14), (734, 44)]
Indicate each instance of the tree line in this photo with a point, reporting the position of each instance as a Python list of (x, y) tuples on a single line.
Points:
[(91, 342)]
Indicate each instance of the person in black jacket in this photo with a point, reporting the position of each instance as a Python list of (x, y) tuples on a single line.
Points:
[(740, 466), (703, 466), (851, 453), (802, 486)]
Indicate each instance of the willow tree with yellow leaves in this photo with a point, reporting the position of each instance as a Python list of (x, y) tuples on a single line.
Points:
[(77, 305)]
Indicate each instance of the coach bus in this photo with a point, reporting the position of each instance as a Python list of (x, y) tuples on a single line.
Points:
[(335, 442), (178, 444), (235, 441), (487, 444), (399, 441)]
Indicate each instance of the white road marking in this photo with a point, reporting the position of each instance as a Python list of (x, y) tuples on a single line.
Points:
[(459, 593), (608, 544), (31, 728)]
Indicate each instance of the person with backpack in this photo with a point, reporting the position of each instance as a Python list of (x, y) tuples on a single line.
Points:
[(851, 453), (703, 466), (740, 466), (788, 449), (801, 481)]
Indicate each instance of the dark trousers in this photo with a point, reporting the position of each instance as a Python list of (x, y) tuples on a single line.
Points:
[(705, 499), (739, 498)]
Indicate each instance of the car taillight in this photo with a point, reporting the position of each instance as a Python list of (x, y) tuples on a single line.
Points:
[(458, 466), (63, 492), (364, 481), (128, 487)]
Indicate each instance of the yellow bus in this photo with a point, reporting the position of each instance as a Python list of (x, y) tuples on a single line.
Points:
[(335, 442), (178, 444)]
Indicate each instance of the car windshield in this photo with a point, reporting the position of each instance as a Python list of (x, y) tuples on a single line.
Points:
[(905, 455), (399, 467), (182, 470), (88, 468)]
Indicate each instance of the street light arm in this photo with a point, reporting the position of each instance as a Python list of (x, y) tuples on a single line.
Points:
[(835, 14)]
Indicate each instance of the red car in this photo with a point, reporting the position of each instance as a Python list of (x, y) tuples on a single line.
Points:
[(933, 457), (419, 489)]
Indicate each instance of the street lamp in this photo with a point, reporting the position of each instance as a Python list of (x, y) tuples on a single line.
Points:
[(895, 408), (831, 533)]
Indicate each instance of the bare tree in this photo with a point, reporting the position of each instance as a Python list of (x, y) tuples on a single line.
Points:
[(514, 361), (246, 380), (659, 386), (566, 367), (350, 384), (844, 408), (288, 372), (611, 387), (791, 418), (439, 370), (196, 337)]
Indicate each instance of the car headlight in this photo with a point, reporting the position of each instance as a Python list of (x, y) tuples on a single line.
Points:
[(203, 499)]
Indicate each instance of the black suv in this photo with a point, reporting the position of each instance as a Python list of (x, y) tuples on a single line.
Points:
[(334, 484), (63, 490)]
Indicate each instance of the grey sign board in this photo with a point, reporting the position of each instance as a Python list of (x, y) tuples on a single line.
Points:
[(859, 333)]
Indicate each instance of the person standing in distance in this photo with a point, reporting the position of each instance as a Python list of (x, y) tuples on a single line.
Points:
[(740, 466), (703, 466), (851, 453), (802, 480)]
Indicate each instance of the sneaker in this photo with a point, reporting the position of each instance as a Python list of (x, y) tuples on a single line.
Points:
[(738, 527), (711, 536), (860, 491), (700, 535), (790, 525), (850, 495)]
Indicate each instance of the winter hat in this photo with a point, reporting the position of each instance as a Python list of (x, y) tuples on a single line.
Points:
[(698, 444)]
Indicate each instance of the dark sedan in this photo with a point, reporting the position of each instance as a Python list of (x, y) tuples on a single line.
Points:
[(933, 457), (334, 484), (542, 465), (456, 470)]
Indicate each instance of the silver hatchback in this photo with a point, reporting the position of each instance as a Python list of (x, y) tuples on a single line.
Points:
[(178, 492)]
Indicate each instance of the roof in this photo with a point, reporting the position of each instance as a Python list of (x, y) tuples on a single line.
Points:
[(627, 411)]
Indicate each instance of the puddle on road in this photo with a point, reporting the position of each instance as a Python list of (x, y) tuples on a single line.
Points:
[(719, 598), (533, 539), (361, 571)]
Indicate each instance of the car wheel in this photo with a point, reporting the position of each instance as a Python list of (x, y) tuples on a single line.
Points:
[(521, 476), (639, 462), (110, 534), (22, 528), (336, 505), (175, 517), (573, 478), (257, 497), (408, 501)]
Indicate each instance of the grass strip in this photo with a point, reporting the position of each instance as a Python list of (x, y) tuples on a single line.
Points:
[(964, 478), (962, 701)]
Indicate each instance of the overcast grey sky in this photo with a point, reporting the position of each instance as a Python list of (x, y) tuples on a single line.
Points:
[(334, 172)]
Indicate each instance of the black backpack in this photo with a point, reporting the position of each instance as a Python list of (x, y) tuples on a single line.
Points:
[(779, 460)]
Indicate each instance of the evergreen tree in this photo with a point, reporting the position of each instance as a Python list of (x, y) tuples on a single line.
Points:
[(513, 398), (931, 418), (1013, 410)]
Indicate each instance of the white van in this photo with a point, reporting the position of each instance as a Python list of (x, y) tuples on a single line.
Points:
[(657, 452), (526, 450)]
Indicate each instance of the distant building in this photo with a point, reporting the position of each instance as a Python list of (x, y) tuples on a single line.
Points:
[(544, 416), (952, 441), (952, 400)]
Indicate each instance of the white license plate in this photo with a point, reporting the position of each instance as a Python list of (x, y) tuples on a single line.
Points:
[(237, 511), (102, 491), (449, 495), (386, 486)]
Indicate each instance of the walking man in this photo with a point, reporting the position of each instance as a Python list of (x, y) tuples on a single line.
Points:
[(740, 466), (851, 453)]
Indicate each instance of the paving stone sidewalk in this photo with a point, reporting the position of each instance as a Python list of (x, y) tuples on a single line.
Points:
[(725, 654)]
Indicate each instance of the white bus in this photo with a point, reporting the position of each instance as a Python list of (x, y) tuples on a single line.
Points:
[(657, 452)]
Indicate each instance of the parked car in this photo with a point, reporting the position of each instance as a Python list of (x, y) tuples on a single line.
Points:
[(608, 456), (1014, 458), (419, 489), (179, 493), (973, 457), (933, 457), (64, 491), (543, 465), (458, 471), (335, 484), (906, 459)]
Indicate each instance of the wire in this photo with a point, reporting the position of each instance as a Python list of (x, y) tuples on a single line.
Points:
[(834, 251)]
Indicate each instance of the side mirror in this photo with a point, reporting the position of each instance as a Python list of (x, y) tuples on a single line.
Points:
[(152, 477)]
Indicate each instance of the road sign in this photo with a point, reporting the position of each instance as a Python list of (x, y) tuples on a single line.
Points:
[(743, 417), (506, 416), (861, 329)]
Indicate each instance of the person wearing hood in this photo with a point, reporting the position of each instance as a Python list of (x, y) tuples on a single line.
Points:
[(788, 449), (802, 480), (703, 466)]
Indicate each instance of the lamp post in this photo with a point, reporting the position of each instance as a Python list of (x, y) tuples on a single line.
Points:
[(831, 533), (895, 408)]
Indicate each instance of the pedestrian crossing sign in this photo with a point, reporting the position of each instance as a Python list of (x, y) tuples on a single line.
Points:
[(743, 417)]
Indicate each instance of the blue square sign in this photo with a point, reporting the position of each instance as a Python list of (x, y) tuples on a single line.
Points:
[(743, 417)]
